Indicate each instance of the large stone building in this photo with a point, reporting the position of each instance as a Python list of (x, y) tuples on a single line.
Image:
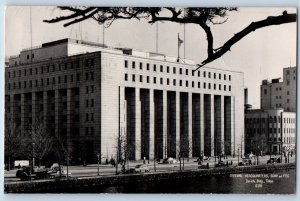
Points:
[(276, 94), (92, 94), (269, 131)]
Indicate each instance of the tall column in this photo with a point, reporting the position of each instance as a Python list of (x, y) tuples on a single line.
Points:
[(45, 107), (222, 125), (137, 124), (165, 124), (202, 123), (22, 104), (212, 123), (151, 124), (56, 111), (34, 108), (69, 117), (233, 141), (190, 129), (177, 123)]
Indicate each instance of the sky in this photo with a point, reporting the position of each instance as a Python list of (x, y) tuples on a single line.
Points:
[(260, 55)]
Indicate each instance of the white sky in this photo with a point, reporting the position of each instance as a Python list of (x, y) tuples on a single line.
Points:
[(260, 55)]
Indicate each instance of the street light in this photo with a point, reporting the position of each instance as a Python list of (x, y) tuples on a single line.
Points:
[(98, 158)]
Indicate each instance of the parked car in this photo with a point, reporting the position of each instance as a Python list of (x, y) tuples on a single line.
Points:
[(245, 161), (203, 158), (220, 164), (55, 167), (273, 160), (62, 174), (129, 171), (141, 168), (169, 160)]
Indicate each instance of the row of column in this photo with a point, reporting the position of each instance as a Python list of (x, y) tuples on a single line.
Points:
[(160, 124)]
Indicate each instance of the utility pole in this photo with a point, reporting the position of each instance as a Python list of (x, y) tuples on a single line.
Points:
[(98, 158)]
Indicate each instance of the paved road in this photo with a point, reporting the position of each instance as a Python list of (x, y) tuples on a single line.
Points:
[(92, 170)]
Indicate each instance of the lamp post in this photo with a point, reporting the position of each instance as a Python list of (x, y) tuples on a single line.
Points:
[(98, 158)]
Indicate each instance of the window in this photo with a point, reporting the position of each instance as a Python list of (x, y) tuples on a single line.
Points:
[(148, 66), (141, 78), (47, 69), (187, 71), (27, 56), (204, 85), (198, 84), (198, 73), (30, 71), (92, 89), (48, 82), (193, 73), (141, 65), (92, 117), (92, 102), (265, 91), (229, 88), (133, 78), (87, 117), (25, 72), (154, 80), (215, 75), (14, 74), (224, 87), (86, 76), (168, 69), (92, 75), (133, 64), (148, 79), (59, 80), (126, 64), (192, 83), (9, 74), (168, 82), (42, 82), (220, 87), (230, 79), (214, 86), (87, 89), (180, 82), (287, 100), (78, 77), (208, 74), (204, 74), (161, 68), (86, 103), (71, 78), (19, 73), (288, 92), (25, 84), (66, 78), (186, 83), (53, 80), (32, 55), (174, 70), (86, 130), (180, 71), (174, 82), (30, 84), (208, 85), (154, 67), (161, 80), (224, 76)]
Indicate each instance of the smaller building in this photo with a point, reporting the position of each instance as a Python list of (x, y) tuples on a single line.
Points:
[(269, 131)]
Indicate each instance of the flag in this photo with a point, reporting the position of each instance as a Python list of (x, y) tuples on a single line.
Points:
[(179, 41)]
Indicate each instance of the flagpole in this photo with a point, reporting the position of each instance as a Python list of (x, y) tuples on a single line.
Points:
[(178, 47)]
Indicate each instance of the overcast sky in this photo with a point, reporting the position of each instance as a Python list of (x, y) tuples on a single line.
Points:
[(260, 55)]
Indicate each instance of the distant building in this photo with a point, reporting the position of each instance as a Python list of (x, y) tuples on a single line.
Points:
[(90, 94), (269, 131), (276, 94)]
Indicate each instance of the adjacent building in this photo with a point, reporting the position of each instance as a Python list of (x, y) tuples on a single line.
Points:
[(92, 95)]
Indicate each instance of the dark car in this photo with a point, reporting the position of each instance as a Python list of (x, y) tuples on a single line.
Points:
[(220, 164)]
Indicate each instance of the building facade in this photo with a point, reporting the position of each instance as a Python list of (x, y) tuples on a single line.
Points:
[(92, 95), (276, 94), (269, 131)]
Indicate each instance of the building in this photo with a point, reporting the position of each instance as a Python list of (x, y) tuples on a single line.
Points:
[(92, 94), (269, 131), (276, 94)]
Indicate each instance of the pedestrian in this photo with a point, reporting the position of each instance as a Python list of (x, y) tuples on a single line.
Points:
[(144, 161), (207, 165), (19, 166)]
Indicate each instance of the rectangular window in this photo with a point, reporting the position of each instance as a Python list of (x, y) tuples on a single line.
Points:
[(204, 85), (224, 87), (154, 67), (141, 65), (214, 86), (174, 82), (161, 80), (174, 70), (92, 75), (87, 103), (168, 69), (180, 71), (87, 117), (148, 79), (220, 87), (25, 72), (59, 80), (71, 78), (86, 76), (180, 82), (198, 84), (87, 89), (30, 84), (224, 76), (148, 66), (220, 76), (48, 82), (186, 83), (230, 79), (204, 74), (92, 117), (208, 74), (133, 64), (126, 64), (141, 78), (42, 82), (187, 71), (215, 75), (168, 82), (78, 77), (198, 73), (193, 84), (92, 89), (53, 80), (30, 71), (24, 84), (161, 68), (229, 87), (66, 78), (193, 73), (208, 85), (154, 80), (92, 102), (133, 78)]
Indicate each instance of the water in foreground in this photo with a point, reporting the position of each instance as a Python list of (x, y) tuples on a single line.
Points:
[(278, 182)]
